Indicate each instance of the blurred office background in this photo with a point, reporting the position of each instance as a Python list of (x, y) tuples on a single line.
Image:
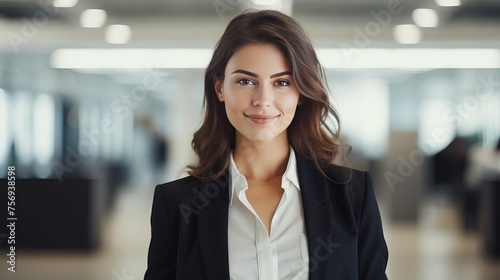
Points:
[(99, 101)]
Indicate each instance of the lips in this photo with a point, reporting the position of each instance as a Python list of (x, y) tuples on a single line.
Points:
[(261, 119)]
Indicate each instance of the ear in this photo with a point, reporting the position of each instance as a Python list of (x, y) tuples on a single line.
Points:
[(218, 89), (301, 100)]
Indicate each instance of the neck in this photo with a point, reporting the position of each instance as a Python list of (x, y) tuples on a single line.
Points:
[(262, 161)]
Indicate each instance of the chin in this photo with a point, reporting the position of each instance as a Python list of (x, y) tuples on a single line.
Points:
[(263, 135)]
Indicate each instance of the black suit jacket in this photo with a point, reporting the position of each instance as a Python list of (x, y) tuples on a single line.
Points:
[(189, 225)]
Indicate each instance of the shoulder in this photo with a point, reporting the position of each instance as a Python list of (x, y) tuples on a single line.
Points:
[(335, 175), (346, 177), (344, 174), (178, 190), (352, 183), (179, 183), (355, 194), (342, 181)]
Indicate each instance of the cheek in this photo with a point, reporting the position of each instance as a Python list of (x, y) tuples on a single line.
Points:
[(233, 104), (290, 103), (235, 100)]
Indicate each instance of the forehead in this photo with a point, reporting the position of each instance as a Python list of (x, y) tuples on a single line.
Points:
[(258, 58)]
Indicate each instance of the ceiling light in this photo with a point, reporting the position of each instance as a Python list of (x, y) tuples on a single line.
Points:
[(64, 3), (425, 17), (448, 3), (407, 34), (130, 58), (118, 34), (93, 18), (400, 58), (411, 58)]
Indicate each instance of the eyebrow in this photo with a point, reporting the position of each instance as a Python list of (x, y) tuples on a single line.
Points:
[(256, 76)]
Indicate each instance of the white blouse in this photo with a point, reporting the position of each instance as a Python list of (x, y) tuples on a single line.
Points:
[(253, 254)]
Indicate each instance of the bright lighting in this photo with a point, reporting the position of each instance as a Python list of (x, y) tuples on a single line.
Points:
[(130, 58), (407, 34), (425, 17), (44, 128), (433, 123), (410, 58), (23, 130), (118, 34), (93, 18), (367, 127), (114, 58), (64, 3), (448, 3), (4, 126)]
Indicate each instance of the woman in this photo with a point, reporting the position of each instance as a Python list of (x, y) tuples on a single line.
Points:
[(265, 200)]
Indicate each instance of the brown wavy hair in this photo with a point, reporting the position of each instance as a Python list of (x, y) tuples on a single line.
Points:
[(314, 133)]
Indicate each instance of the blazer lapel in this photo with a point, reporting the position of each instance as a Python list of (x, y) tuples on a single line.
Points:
[(212, 228), (213, 222), (317, 215)]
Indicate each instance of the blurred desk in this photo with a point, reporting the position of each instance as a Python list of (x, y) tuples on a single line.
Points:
[(53, 214), (490, 215)]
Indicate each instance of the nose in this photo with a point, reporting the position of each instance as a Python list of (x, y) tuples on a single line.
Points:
[(262, 97)]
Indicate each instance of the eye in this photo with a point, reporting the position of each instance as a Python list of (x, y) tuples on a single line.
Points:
[(282, 83), (245, 82)]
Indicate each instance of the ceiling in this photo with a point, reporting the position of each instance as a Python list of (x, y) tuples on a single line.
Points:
[(470, 10), (198, 23)]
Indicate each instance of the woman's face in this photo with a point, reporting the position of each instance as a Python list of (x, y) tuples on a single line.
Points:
[(259, 93)]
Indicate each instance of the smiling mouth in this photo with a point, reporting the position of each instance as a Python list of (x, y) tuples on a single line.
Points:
[(261, 119)]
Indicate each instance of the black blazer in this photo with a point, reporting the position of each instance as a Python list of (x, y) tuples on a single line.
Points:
[(189, 225)]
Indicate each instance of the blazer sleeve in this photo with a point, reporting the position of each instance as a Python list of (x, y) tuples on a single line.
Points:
[(372, 248), (161, 255)]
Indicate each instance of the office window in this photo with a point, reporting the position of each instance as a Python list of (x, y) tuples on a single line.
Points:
[(5, 140), (437, 122), (43, 128), (23, 138), (363, 106)]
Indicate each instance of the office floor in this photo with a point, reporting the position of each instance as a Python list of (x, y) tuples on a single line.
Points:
[(436, 249)]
